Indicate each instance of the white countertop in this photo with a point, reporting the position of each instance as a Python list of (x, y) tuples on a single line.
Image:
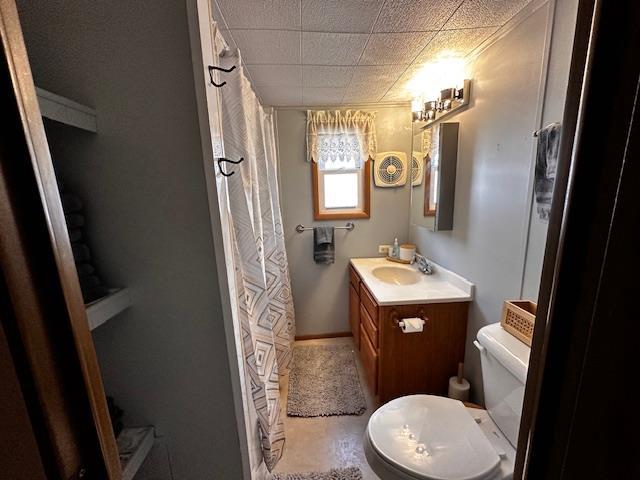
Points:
[(443, 286)]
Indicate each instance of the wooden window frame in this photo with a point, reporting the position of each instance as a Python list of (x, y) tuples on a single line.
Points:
[(366, 190)]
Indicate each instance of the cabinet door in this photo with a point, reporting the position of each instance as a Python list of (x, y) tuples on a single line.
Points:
[(369, 358), (354, 315), (412, 363)]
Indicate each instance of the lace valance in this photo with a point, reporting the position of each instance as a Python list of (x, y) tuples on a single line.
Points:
[(340, 136)]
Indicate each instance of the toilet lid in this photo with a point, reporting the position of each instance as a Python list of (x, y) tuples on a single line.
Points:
[(432, 438)]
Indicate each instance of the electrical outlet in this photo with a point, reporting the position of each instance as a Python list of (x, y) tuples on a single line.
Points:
[(384, 249)]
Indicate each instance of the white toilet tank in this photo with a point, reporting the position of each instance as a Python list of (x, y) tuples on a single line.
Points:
[(505, 361)]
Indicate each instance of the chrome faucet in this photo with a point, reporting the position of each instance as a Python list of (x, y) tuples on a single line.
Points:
[(423, 264)]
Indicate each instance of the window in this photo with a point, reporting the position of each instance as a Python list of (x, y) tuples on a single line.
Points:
[(341, 188)]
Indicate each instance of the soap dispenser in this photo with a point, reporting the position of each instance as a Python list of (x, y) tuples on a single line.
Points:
[(395, 251)]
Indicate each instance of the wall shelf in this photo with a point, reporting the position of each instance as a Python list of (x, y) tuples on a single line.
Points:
[(101, 310), (63, 110), (134, 444)]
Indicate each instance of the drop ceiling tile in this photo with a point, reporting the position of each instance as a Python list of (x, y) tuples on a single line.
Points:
[(414, 15), (394, 48), (267, 14), (322, 96), (454, 43), (397, 95), (365, 94), (280, 96), (347, 16), (383, 75), (485, 13), (276, 75), (268, 46), (321, 48), (326, 75)]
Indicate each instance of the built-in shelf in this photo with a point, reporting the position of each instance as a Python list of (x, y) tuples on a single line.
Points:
[(134, 444), (101, 310), (63, 110)]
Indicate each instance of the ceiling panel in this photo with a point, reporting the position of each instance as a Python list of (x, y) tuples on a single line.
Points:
[(264, 14), (414, 15), (346, 16), (324, 52), (484, 13), (332, 48), (326, 75), (322, 96), (276, 75), (376, 74), (281, 96), (454, 43), (394, 48), (371, 93), (268, 46)]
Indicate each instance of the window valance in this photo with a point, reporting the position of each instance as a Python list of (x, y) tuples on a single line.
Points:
[(340, 136)]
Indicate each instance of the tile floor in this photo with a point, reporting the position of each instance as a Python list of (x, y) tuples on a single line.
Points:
[(322, 443)]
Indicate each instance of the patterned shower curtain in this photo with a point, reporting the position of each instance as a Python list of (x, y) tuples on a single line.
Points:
[(263, 287)]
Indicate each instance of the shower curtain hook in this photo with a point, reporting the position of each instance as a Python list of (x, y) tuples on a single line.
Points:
[(226, 70), (235, 162)]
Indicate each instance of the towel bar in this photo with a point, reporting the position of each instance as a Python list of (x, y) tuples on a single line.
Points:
[(349, 226)]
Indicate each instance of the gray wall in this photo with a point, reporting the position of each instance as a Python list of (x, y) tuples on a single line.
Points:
[(141, 176), (493, 178), (553, 109), (320, 292)]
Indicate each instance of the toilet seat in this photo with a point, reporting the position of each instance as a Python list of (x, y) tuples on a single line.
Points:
[(430, 438)]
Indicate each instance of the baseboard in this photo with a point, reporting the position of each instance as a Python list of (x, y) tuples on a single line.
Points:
[(323, 335)]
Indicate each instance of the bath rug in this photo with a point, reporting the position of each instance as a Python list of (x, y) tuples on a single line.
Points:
[(324, 381), (351, 473)]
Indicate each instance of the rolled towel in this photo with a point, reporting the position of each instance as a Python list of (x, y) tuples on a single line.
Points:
[(87, 282), (75, 234), (80, 252), (71, 203), (92, 294), (85, 269), (323, 245), (74, 220)]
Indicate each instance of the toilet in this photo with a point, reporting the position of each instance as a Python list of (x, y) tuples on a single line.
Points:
[(437, 438)]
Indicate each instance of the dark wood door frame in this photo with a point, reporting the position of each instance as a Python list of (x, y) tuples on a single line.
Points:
[(41, 308), (577, 422)]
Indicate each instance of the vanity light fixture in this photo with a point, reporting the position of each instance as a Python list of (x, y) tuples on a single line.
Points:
[(449, 100)]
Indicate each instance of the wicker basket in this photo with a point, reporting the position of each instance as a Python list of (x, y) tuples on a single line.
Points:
[(518, 318)]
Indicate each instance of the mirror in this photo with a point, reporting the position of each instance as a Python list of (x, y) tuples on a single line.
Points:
[(433, 180)]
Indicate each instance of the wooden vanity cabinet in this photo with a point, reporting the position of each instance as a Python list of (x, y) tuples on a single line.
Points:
[(397, 363), (354, 306)]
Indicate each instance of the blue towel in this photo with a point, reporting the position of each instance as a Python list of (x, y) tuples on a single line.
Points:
[(545, 171), (323, 245)]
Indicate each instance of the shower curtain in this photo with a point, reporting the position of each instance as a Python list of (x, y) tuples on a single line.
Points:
[(263, 287)]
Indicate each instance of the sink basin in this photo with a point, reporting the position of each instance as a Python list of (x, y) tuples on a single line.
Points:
[(396, 275)]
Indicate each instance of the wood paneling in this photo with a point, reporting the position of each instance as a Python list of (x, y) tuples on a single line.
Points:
[(19, 454), (354, 314)]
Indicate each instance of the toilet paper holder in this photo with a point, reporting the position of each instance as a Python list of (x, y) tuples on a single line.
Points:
[(397, 320)]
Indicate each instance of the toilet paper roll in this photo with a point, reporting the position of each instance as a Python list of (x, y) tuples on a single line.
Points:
[(411, 325), (459, 391)]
